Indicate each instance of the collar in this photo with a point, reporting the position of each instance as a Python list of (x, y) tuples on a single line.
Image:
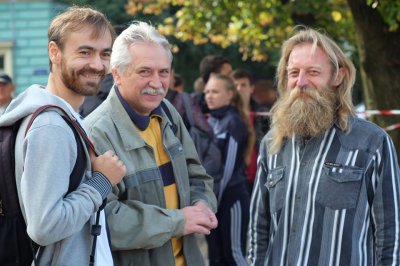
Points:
[(140, 121), (221, 112)]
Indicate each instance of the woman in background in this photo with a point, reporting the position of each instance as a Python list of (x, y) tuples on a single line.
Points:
[(232, 134)]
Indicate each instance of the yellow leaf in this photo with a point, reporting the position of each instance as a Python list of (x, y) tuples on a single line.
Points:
[(336, 16), (265, 18), (169, 20)]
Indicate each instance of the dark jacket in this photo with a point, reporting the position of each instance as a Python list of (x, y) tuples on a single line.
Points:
[(231, 135)]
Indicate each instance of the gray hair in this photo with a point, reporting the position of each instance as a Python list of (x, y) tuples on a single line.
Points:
[(137, 32)]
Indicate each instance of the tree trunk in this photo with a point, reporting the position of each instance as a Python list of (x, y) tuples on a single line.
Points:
[(379, 52)]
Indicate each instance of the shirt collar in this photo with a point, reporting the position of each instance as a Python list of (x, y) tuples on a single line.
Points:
[(221, 112), (140, 121)]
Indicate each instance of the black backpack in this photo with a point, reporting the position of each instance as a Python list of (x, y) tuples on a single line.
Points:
[(207, 149), (16, 248)]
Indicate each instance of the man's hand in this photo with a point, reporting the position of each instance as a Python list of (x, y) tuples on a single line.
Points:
[(199, 219), (109, 165)]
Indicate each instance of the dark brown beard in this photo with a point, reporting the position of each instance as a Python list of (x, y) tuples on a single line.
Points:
[(306, 112), (70, 78)]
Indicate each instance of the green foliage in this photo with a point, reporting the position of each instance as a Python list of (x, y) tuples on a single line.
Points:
[(258, 28), (390, 11), (114, 10)]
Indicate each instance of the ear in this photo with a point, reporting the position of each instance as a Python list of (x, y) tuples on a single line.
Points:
[(231, 95), (251, 89), (54, 53), (339, 78), (116, 76)]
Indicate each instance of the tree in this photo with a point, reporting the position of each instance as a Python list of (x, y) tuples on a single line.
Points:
[(378, 39), (367, 29), (257, 27)]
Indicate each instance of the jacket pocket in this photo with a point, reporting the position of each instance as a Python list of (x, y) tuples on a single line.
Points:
[(339, 186), (276, 187), (145, 186)]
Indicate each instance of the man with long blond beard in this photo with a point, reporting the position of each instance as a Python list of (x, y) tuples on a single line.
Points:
[(327, 190)]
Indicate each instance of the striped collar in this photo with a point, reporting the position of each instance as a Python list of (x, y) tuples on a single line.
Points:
[(140, 121)]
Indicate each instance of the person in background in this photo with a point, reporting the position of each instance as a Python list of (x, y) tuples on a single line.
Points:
[(244, 85), (263, 97), (178, 83), (166, 195), (229, 120), (264, 94), (198, 86), (211, 64), (175, 97), (6, 91), (79, 46), (328, 188)]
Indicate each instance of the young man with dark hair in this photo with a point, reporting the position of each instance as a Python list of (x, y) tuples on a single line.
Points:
[(80, 41)]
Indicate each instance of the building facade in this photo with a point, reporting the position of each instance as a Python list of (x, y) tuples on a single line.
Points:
[(23, 40)]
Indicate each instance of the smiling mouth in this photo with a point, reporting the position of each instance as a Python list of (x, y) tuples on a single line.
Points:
[(92, 76)]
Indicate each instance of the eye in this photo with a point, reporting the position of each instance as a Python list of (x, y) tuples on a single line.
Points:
[(84, 52), (145, 72), (314, 72), (164, 72), (293, 73), (106, 55)]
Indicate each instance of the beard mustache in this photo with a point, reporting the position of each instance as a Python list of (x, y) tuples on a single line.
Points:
[(70, 78), (153, 91), (305, 112)]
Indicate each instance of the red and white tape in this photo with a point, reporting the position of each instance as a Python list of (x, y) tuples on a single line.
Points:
[(380, 112), (366, 113)]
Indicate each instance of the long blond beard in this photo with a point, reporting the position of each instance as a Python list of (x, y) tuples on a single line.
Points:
[(305, 112)]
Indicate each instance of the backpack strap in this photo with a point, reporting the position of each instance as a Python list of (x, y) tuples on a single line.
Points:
[(76, 174), (174, 127), (188, 108), (73, 122), (80, 164)]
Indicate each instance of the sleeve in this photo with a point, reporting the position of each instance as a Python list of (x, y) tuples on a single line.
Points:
[(201, 184), (385, 207), (259, 223), (141, 232), (233, 146), (231, 151), (48, 157)]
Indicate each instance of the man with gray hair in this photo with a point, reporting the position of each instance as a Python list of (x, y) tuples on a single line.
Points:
[(327, 189), (166, 196)]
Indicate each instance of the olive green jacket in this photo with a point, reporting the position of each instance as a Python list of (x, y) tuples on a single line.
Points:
[(141, 226)]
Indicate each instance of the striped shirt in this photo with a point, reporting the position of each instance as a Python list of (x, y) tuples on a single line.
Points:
[(331, 200)]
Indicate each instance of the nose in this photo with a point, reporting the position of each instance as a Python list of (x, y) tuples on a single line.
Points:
[(155, 81), (302, 80), (97, 63)]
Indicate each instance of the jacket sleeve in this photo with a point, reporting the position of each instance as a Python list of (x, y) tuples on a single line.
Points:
[(47, 156), (259, 223), (136, 225), (201, 184), (386, 203)]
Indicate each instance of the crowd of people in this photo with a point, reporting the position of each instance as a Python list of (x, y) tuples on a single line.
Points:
[(310, 185)]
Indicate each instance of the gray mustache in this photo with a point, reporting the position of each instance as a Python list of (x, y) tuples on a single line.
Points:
[(157, 91)]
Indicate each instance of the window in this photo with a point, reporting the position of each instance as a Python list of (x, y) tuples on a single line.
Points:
[(6, 57)]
